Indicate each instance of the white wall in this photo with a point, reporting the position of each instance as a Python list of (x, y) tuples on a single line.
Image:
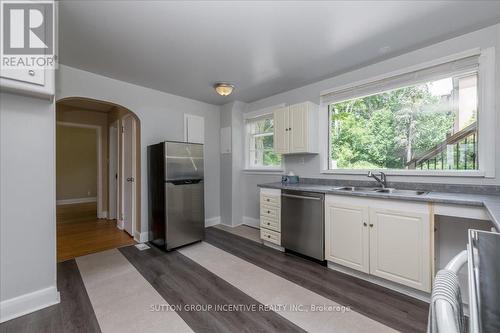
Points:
[(310, 166), (27, 204), (231, 164), (226, 179), (161, 118), (27, 175)]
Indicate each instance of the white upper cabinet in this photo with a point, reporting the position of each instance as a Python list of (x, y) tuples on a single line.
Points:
[(37, 81), (296, 129), (32, 82), (281, 137), (194, 129)]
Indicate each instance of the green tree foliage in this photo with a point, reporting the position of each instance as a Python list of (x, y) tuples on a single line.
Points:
[(264, 143), (388, 129)]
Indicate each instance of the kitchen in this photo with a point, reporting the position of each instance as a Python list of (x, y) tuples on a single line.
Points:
[(328, 176)]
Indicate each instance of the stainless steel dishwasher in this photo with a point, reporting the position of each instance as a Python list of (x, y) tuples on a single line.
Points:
[(302, 223)]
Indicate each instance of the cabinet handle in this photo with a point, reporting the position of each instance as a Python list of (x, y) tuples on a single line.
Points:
[(364, 224), (268, 223), (268, 212), (268, 236), (267, 200), (286, 129), (371, 225), (31, 72), (289, 128)]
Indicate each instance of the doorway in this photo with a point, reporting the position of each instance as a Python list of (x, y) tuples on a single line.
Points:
[(129, 172), (96, 184)]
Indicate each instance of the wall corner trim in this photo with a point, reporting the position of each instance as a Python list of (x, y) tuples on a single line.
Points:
[(76, 201), (250, 221), (212, 221), (121, 225), (103, 214), (140, 237), (28, 303)]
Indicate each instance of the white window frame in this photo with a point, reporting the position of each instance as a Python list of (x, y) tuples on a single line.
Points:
[(249, 117), (486, 118)]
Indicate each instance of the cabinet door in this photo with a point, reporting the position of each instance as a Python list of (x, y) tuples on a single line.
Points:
[(347, 235), (400, 247), (298, 128), (281, 126), (34, 76)]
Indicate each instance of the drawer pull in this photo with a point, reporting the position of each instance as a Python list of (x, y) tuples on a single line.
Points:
[(31, 72), (268, 200), (268, 236), (371, 225), (268, 223), (364, 224), (268, 212)]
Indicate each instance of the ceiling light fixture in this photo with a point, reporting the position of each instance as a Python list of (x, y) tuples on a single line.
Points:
[(224, 89)]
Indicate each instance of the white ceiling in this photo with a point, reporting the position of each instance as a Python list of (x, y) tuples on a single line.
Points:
[(262, 47)]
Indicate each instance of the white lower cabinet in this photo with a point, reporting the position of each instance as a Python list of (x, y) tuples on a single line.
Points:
[(400, 247), (376, 236), (347, 236), (270, 215)]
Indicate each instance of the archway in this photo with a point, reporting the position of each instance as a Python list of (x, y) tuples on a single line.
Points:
[(98, 179)]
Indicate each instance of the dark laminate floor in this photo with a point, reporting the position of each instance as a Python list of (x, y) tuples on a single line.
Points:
[(386, 306), (181, 281), (73, 314)]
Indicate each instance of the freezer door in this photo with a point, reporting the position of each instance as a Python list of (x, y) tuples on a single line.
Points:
[(185, 213), (183, 161)]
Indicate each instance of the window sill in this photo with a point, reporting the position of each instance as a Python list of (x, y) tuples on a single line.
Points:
[(263, 171), (423, 173)]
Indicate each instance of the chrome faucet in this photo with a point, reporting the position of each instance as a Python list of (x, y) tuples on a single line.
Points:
[(382, 180)]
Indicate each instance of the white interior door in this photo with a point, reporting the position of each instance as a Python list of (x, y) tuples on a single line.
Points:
[(113, 171), (129, 176)]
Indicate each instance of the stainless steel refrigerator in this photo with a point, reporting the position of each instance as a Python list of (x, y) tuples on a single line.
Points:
[(176, 194)]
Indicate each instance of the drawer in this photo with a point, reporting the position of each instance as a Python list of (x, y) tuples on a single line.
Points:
[(270, 212), (270, 224), (270, 236), (271, 200)]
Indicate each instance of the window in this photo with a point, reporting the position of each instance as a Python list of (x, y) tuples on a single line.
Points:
[(260, 151), (425, 126)]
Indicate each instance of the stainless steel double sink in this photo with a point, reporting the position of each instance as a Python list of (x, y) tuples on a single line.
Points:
[(379, 190)]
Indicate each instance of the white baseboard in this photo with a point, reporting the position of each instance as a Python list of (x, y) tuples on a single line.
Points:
[(76, 201), (120, 224), (141, 237), (28, 303), (252, 222), (102, 215), (274, 246), (212, 221), (421, 295)]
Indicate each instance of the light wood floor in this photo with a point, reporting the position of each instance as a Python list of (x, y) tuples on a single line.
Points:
[(79, 232)]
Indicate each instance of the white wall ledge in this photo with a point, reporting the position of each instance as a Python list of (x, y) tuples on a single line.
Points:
[(421, 173)]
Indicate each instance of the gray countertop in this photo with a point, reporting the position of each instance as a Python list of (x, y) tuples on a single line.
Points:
[(490, 202)]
